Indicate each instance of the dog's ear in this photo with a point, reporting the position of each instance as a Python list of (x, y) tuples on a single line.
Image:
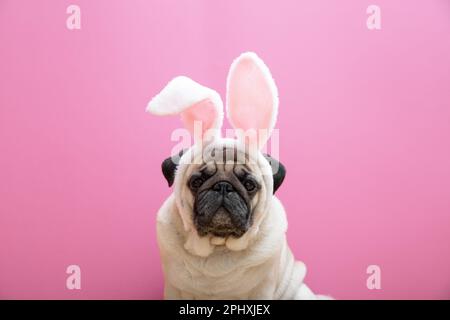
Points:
[(252, 99), (278, 171), (200, 108), (169, 166)]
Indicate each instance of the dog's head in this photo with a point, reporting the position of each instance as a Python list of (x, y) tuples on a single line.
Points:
[(223, 186)]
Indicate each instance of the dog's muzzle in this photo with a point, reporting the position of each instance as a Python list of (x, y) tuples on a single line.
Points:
[(221, 211)]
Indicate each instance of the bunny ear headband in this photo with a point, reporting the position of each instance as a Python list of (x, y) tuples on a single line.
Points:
[(252, 103)]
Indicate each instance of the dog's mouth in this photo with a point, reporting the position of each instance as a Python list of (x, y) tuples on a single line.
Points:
[(221, 225), (221, 216)]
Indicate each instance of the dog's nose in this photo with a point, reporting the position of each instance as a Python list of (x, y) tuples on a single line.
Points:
[(223, 187)]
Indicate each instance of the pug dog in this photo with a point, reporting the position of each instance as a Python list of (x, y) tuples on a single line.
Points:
[(222, 232)]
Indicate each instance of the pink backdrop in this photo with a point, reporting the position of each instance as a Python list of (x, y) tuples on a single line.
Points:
[(364, 126)]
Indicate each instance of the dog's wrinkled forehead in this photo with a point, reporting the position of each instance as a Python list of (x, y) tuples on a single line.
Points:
[(220, 154), (225, 163), (219, 160)]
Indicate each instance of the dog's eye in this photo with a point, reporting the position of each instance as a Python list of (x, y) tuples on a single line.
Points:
[(196, 183), (249, 185)]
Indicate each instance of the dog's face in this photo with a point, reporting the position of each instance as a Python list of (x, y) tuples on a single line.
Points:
[(223, 190), (223, 194)]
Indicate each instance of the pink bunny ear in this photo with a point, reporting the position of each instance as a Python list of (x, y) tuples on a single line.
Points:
[(197, 105), (252, 97)]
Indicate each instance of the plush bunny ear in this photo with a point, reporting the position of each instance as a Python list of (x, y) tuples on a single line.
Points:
[(201, 108), (252, 97)]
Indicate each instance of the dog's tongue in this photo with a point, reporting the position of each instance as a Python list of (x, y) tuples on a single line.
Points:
[(218, 241)]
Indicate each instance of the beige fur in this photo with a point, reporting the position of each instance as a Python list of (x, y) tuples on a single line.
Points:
[(262, 267)]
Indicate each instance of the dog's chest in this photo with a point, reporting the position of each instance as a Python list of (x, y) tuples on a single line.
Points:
[(218, 277)]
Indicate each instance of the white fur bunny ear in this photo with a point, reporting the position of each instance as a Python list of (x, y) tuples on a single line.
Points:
[(252, 98), (201, 108)]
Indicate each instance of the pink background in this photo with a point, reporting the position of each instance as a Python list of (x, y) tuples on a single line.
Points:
[(364, 126)]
